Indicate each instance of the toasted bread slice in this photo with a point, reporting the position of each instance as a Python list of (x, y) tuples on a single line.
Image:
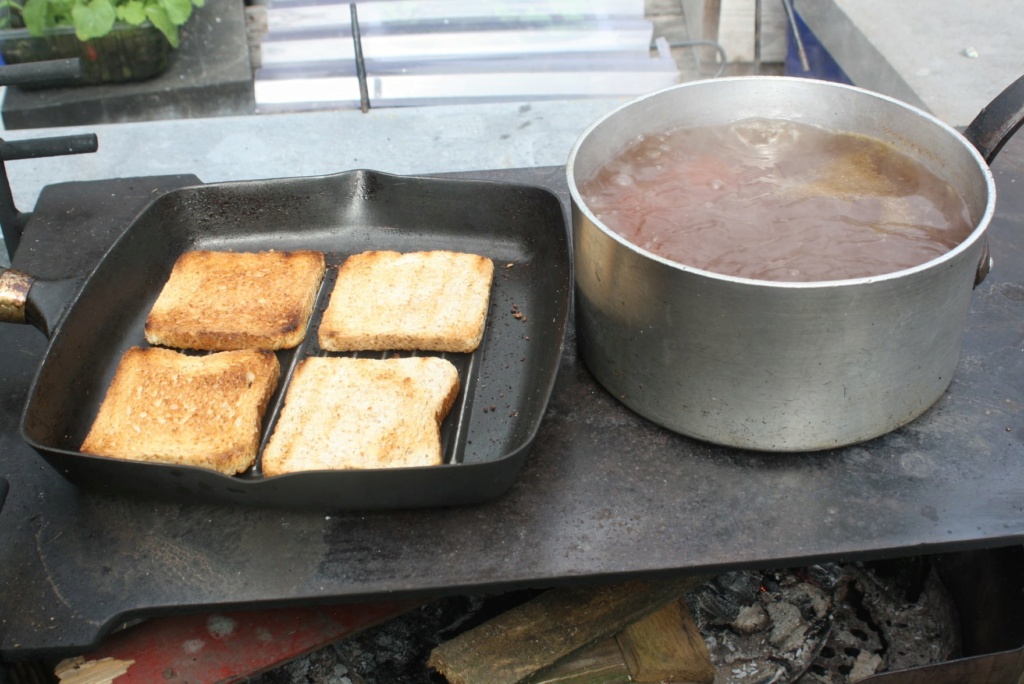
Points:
[(432, 301), (345, 413), (166, 407), (236, 300)]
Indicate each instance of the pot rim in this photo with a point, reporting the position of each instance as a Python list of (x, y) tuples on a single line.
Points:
[(975, 235)]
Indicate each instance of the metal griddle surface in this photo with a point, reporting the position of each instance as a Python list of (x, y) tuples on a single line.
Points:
[(603, 495)]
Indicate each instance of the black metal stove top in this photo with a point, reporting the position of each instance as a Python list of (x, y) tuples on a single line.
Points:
[(603, 495)]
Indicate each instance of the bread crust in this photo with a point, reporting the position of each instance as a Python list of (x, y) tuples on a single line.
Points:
[(426, 301), (164, 406), (217, 301), (345, 413)]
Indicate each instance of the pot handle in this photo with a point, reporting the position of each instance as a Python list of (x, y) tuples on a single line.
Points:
[(998, 121), (27, 299), (984, 264)]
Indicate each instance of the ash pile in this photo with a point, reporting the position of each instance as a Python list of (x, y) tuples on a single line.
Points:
[(825, 624)]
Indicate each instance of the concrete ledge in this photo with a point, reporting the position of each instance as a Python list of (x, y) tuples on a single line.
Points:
[(408, 140), (864, 63), (951, 58)]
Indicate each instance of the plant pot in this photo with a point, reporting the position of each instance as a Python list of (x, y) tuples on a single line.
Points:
[(127, 53)]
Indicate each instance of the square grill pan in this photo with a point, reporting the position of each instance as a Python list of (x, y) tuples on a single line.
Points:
[(505, 384)]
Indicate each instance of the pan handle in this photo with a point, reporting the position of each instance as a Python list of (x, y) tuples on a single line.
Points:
[(14, 289), (27, 299), (998, 121)]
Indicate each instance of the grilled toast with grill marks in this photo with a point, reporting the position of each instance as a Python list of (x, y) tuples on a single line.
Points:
[(216, 301), (168, 407), (426, 301), (347, 413)]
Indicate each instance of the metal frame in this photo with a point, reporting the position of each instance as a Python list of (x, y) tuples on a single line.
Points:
[(12, 221)]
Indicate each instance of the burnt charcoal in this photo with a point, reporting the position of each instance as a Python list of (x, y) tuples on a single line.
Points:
[(721, 600), (320, 667), (710, 604), (813, 602), (851, 647), (771, 640), (742, 585), (825, 575), (477, 610), (878, 629), (397, 650), (909, 575), (827, 624), (917, 632), (777, 627)]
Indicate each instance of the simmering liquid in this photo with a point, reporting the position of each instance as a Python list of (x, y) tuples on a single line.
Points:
[(777, 200)]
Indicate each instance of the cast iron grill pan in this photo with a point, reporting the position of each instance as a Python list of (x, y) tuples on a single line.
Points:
[(504, 385)]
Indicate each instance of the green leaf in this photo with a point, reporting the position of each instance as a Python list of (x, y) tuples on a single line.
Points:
[(178, 11), (199, 3), (93, 19), (132, 12), (59, 12), (158, 16), (34, 14), (5, 15)]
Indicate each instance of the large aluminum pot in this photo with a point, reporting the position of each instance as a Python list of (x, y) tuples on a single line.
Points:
[(774, 366)]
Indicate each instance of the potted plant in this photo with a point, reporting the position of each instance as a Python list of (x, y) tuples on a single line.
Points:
[(116, 40)]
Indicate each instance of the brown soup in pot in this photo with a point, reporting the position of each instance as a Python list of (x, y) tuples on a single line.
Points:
[(777, 200)]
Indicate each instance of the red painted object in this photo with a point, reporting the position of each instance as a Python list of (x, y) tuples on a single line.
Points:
[(219, 648)]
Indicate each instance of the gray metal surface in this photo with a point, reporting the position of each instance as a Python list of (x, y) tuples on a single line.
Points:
[(605, 494)]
